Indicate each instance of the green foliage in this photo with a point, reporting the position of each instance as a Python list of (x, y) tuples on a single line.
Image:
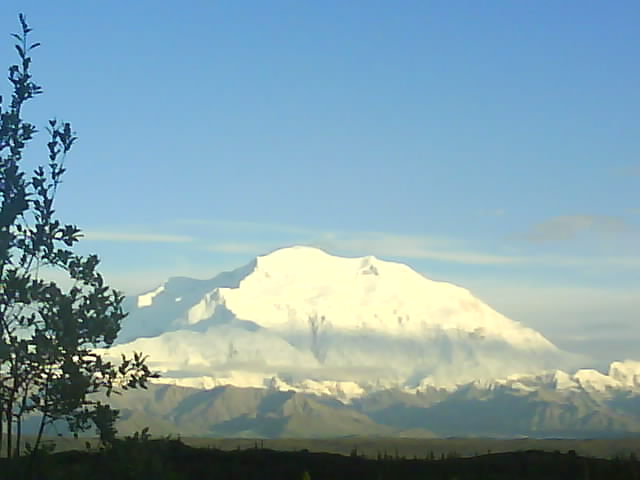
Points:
[(48, 334)]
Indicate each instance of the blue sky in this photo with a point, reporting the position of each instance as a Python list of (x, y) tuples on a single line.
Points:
[(492, 144)]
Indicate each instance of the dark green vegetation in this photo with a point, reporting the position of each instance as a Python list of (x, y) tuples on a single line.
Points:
[(371, 447), (140, 458), (48, 333)]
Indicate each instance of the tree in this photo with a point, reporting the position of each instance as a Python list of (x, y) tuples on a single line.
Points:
[(49, 365)]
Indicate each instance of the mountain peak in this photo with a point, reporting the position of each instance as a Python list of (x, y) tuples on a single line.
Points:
[(307, 250), (310, 258), (363, 294)]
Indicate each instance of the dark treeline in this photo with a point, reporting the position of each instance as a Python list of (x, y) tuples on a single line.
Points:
[(136, 458), (371, 447)]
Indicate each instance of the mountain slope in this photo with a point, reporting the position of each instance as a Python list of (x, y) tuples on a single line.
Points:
[(552, 404), (241, 412), (471, 410)]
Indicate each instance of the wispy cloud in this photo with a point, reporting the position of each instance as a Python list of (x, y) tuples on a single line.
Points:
[(408, 246), (443, 249), (595, 261), (628, 170), (136, 237), (569, 227), (245, 226), (238, 247), (436, 248)]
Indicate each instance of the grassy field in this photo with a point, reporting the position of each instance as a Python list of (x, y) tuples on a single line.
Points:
[(400, 447), (421, 448)]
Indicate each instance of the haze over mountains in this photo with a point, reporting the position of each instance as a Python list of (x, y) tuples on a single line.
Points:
[(299, 342)]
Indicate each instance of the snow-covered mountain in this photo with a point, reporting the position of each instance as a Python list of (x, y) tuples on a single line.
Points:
[(302, 319), (355, 346), (623, 376)]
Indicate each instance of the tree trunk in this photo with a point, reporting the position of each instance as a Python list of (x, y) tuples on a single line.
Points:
[(44, 411), (18, 434), (1, 424), (9, 425), (40, 432)]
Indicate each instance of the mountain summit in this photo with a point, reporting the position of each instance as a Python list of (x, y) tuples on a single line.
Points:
[(303, 319)]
